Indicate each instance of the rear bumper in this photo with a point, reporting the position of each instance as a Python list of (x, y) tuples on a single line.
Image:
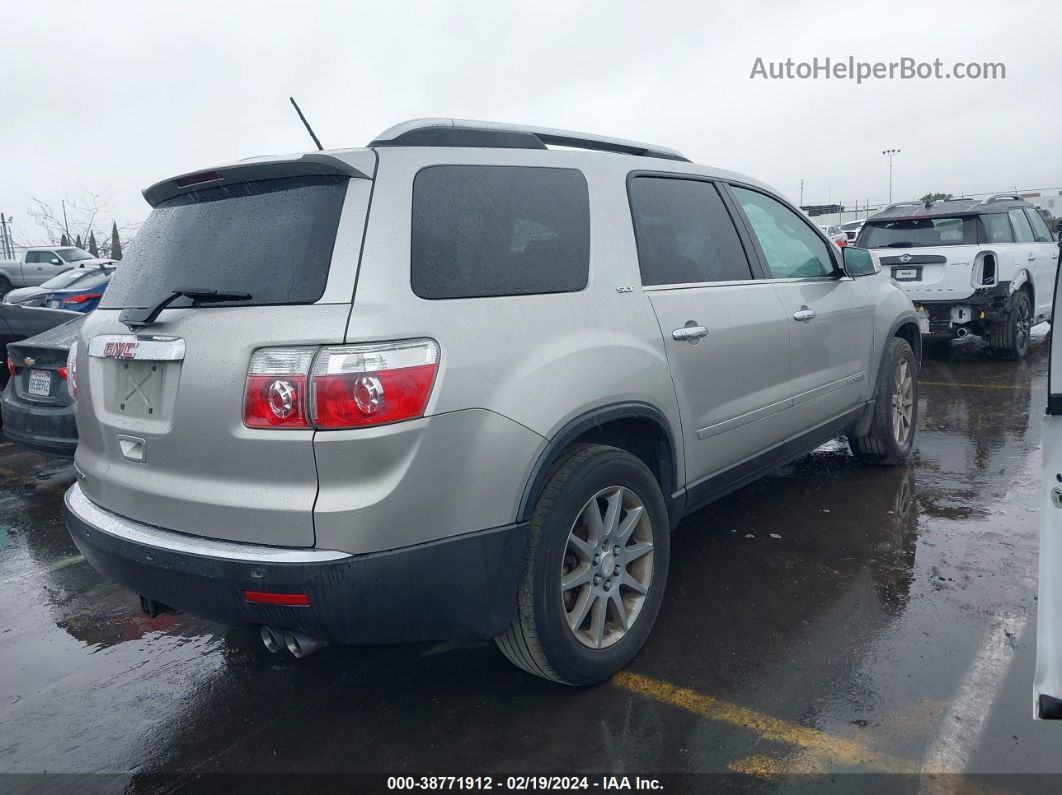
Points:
[(460, 588), (44, 429), (984, 306)]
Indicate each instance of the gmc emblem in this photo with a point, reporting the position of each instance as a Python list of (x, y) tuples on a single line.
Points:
[(119, 350)]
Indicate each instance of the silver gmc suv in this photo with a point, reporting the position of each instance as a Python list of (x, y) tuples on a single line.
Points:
[(459, 385)]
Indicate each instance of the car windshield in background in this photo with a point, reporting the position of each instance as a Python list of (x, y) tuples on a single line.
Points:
[(271, 239), (918, 232), (73, 254), (67, 279)]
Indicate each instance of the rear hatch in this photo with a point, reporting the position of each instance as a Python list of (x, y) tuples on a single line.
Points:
[(161, 406), (933, 259)]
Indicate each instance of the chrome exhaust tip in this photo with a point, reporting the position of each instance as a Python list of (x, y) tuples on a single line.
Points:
[(271, 639), (961, 332), (301, 645)]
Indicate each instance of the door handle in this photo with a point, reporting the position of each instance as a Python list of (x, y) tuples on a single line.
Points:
[(689, 333), (1032, 257), (804, 315)]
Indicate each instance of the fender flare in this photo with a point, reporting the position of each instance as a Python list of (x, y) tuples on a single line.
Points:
[(574, 428)]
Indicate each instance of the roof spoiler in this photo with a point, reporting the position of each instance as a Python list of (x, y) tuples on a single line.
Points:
[(903, 204), (488, 134), (1002, 197), (307, 165)]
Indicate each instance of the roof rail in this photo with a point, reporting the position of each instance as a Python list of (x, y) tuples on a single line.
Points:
[(466, 132), (894, 205), (1000, 197)]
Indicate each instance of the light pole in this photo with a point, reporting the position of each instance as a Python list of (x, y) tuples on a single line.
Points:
[(890, 153)]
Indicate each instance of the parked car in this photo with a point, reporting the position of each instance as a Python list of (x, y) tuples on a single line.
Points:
[(82, 295), (18, 323), (548, 358), (835, 234), (36, 296), (38, 265), (851, 231), (1047, 681), (37, 410), (971, 266)]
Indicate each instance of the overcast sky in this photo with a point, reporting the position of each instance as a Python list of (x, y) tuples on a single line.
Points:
[(109, 96)]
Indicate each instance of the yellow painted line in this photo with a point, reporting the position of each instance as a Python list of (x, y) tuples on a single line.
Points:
[(975, 386), (848, 753)]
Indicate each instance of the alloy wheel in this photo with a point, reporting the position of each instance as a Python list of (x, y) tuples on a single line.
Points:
[(608, 567)]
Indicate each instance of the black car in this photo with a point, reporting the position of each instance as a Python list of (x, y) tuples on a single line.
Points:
[(35, 404), (19, 322)]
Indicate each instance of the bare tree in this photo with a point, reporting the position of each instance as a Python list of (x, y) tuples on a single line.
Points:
[(79, 215)]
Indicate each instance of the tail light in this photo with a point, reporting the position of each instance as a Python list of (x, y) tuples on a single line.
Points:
[(62, 373), (83, 298), (10, 367), (355, 385), (71, 371), (342, 386), (276, 391)]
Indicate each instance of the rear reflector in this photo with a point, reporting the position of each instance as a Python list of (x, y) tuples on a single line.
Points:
[(284, 599)]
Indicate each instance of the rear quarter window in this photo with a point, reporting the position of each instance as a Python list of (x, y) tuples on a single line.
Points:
[(481, 231)]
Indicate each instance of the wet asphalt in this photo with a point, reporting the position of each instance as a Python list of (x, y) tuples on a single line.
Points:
[(830, 618)]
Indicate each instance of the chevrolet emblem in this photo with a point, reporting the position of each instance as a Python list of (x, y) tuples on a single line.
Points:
[(29, 362)]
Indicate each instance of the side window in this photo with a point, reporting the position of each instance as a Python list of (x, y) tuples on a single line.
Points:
[(1022, 231), (685, 235), (997, 228), (499, 230), (34, 257), (791, 247), (1039, 226)]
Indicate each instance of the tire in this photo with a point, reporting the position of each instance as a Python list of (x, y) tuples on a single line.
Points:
[(1010, 339), (541, 640), (5, 286), (883, 444)]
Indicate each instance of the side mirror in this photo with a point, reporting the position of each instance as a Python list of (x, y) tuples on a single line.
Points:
[(859, 261), (56, 261)]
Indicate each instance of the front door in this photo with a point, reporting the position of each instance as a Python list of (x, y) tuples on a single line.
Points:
[(831, 319), (726, 336)]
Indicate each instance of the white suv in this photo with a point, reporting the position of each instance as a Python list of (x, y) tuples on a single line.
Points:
[(971, 266)]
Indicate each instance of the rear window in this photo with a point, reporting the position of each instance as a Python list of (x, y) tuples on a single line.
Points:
[(271, 239), (919, 232), (499, 230), (95, 279)]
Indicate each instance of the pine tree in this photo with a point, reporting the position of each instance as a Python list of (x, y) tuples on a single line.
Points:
[(116, 244), (64, 240), (93, 249), (78, 242)]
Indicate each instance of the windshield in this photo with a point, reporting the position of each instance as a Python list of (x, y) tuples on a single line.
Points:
[(73, 254), (271, 239), (67, 278), (918, 232)]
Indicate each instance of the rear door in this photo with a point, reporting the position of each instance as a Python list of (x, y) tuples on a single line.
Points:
[(1047, 681), (1046, 251), (830, 317), (161, 409), (725, 333)]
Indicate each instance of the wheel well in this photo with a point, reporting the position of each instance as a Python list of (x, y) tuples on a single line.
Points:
[(640, 433), (913, 335)]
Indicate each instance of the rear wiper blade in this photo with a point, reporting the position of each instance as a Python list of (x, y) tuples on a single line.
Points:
[(136, 317)]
